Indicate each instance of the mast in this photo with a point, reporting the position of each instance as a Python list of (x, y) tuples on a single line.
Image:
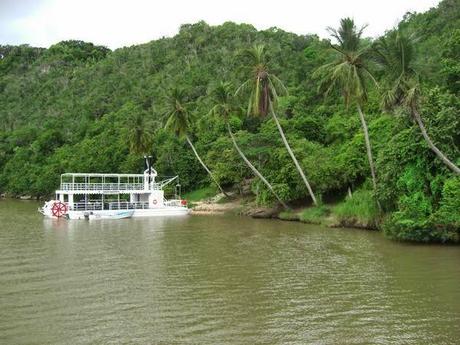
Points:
[(148, 162)]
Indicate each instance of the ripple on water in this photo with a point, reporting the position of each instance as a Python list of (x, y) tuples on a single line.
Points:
[(225, 280)]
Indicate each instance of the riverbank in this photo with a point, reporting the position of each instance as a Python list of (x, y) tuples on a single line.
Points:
[(358, 213)]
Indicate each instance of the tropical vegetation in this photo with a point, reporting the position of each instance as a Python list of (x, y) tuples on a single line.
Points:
[(368, 129)]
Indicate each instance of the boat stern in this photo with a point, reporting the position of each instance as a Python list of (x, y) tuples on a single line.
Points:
[(54, 209)]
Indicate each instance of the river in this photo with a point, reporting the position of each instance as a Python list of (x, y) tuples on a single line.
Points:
[(219, 280)]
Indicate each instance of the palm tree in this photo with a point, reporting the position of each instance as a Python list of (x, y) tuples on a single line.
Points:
[(349, 73), (223, 106), (179, 121), (264, 88), (395, 53), (139, 135)]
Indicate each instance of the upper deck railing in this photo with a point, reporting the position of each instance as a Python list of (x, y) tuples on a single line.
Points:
[(105, 187), (101, 183)]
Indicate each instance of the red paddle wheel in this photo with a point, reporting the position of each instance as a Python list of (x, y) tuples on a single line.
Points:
[(58, 209), (183, 202)]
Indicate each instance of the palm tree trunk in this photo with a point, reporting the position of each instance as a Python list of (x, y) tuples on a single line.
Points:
[(299, 168), (204, 165), (369, 151), (253, 168), (433, 148)]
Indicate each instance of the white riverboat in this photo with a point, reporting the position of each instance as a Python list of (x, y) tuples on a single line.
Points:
[(113, 196)]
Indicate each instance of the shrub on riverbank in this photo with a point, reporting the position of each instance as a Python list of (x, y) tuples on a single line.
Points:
[(448, 213), (404, 229), (415, 221)]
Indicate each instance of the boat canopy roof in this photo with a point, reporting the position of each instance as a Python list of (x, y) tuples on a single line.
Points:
[(100, 175)]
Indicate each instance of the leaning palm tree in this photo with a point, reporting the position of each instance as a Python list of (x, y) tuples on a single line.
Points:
[(179, 121), (222, 97), (139, 134), (395, 53), (264, 87), (349, 73)]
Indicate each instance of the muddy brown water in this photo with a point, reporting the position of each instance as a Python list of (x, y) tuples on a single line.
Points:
[(218, 280)]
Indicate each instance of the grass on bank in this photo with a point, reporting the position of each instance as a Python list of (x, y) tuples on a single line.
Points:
[(289, 215), (360, 211), (200, 194), (311, 215), (315, 215)]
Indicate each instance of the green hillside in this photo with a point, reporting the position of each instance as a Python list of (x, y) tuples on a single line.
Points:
[(77, 107)]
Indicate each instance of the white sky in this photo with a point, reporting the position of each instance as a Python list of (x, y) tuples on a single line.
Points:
[(116, 23)]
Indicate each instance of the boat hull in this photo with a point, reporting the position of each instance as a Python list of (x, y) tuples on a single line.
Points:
[(109, 214)]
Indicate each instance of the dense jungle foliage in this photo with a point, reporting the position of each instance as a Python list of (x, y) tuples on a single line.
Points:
[(77, 107)]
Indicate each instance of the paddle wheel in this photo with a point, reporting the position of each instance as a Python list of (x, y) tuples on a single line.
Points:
[(59, 209)]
